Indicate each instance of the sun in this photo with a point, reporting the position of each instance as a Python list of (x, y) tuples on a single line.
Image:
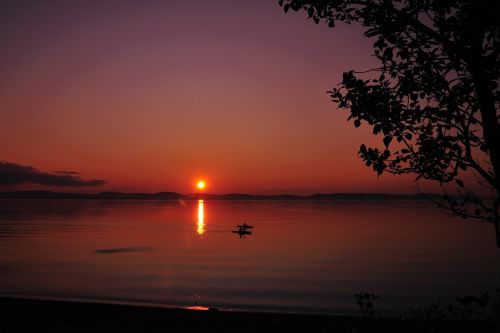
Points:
[(201, 185)]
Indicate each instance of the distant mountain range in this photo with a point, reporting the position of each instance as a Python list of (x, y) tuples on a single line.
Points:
[(207, 196)]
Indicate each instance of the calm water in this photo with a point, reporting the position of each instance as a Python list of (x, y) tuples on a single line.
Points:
[(301, 256)]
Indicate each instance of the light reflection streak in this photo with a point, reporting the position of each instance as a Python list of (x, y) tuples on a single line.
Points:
[(201, 218)]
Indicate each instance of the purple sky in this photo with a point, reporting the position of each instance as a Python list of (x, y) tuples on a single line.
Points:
[(152, 95)]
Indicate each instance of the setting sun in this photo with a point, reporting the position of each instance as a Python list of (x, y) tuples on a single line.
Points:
[(200, 185)]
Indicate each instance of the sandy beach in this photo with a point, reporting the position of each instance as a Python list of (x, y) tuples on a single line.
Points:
[(24, 315), (21, 315)]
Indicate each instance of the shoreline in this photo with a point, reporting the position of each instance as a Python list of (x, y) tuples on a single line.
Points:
[(174, 196), (81, 316), (25, 315)]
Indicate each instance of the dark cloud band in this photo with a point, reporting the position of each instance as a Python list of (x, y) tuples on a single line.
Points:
[(15, 174)]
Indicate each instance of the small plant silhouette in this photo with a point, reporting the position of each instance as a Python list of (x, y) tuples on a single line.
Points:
[(365, 301), (430, 318), (471, 308)]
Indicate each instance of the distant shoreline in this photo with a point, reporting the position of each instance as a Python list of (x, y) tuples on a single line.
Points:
[(208, 196)]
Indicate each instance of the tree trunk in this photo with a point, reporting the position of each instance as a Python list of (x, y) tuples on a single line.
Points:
[(483, 80), (491, 130), (484, 89), (497, 234)]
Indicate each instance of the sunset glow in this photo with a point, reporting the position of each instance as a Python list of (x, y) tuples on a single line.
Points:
[(200, 185), (259, 122), (345, 152)]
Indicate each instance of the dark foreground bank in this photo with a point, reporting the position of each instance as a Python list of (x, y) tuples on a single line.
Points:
[(24, 315)]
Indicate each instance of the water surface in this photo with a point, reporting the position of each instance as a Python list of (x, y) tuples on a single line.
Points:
[(302, 256)]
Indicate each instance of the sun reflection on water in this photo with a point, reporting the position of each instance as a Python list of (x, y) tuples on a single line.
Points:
[(201, 218)]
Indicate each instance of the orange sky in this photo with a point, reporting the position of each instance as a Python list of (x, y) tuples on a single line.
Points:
[(152, 95)]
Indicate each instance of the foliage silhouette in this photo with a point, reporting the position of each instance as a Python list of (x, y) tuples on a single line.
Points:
[(435, 98), (473, 313), (431, 318), (365, 302)]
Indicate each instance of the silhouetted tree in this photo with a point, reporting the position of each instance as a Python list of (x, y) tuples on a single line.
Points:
[(435, 97)]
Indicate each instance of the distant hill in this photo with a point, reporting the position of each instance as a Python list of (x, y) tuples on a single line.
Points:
[(207, 196)]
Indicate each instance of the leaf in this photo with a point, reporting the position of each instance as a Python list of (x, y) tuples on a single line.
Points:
[(387, 140), (388, 53)]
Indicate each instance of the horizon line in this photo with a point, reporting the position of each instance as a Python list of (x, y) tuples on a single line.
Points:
[(199, 194)]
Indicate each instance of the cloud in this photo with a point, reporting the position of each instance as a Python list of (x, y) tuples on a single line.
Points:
[(125, 250), (15, 174), (64, 172)]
